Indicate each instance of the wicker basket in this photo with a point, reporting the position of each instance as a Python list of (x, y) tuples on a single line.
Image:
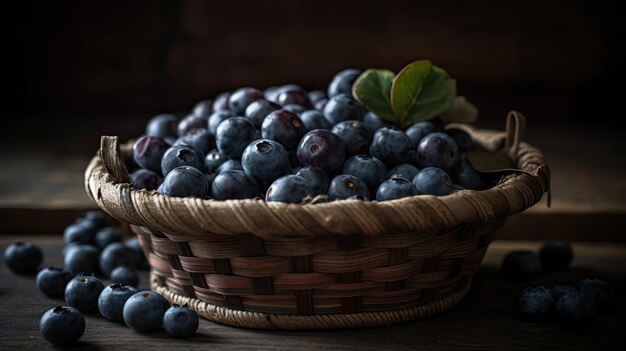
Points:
[(251, 263)]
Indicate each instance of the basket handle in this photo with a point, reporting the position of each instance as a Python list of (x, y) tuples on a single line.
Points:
[(111, 159), (515, 128)]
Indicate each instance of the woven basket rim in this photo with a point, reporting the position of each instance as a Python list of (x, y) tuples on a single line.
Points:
[(197, 217)]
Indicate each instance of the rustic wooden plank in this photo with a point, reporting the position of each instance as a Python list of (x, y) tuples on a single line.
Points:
[(483, 320)]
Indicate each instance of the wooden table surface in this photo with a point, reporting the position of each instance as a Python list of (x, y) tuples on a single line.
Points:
[(482, 321)]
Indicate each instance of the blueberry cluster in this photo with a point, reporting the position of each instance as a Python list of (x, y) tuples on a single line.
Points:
[(554, 256), (575, 306), (286, 144)]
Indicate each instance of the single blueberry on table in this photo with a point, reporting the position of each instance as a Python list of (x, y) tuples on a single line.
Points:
[(322, 148), (293, 97), (265, 159), (81, 258), (284, 127), (316, 177), (230, 165), (62, 325), (316, 95), (368, 169), (112, 299), (341, 108), (258, 110), (108, 235), (559, 290), (556, 256), (116, 255), (234, 184), (144, 311), (125, 275), (290, 189), (403, 170), (233, 135), (221, 101), (239, 99), (52, 281), (601, 292), (521, 265), (576, 311), (535, 304), (203, 108), (216, 118), (145, 179), (185, 181), (345, 186), (162, 126), (181, 155), (466, 176), (23, 257), (432, 181), (462, 139), (190, 123), (199, 139), (180, 321), (314, 119), (213, 160), (395, 188), (390, 146), (437, 150), (355, 135), (418, 131), (148, 152), (81, 233), (82, 293), (342, 82)]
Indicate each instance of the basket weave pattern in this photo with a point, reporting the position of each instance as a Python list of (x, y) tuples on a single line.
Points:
[(341, 264)]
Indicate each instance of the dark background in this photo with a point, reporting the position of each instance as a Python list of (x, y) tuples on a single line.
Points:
[(80, 69)]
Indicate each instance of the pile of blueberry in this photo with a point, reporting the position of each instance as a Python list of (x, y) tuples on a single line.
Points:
[(94, 250), (286, 144)]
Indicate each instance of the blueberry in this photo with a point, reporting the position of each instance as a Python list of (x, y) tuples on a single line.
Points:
[(432, 181), (316, 178), (461, 138), (190, 123), (404, 170), (125, 275), (181, 155), (313, 119), (81, 258), (81, 233), (94, 218), (284, 127), (144, 311), (418, 131), (437, 150), (112, 299), (82, 293), (162, 126), (213, 160), (373, 122), (185, 181), (216, 118), (258, 110), (108, 235), (233, 135), (133, 244), (148, 152), (367, 168), (145, 179), (535, 304), (466, 176), (390, 146), (320, 104), (344, 186), (180, 321), (295, 109), (289, 189), (270, 93), (221, 101), (239, 100), (265, 159), (234, 185), (599, 290), (273, 92), (52, 281), (560, 290), (521, 265), (576, 311), (395, 188), (355, 135), (62, 325), (115, 255), (23, 257), (342, 82), (199, 139), (343, 108), (316, 95), (203, 108), (293, 97), (322, 148), (230, 165), (556, 256)]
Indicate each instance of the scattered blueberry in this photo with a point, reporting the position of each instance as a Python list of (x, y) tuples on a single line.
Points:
[(108, 235), (82, 293), (23, 257), (556, 256), (395, 188), (52, 281), (234, 184), (599, 290), (148, 152), (437, 150), (126, 276), (112, 299), (81, 258), (81, 233), (62, 325), (145, 179), (521, 265), (289, 189), (390, 146), (185, 181), (144, 311), (535, 304), (162, 126), (265, 159), (344, 186), (576, 311), (432, 181), (115, 255), (180, 321)]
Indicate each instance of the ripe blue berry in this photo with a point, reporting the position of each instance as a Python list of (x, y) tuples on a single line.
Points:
[(162, 126), (80, 233), (576, 311), (316, 177), (341, 108), (198, 139), (180, 321), (112, 299), (314, 119), (181, 155), (367, 168), (230, 165), (322, 148), (418, 131), (258, 110), (82, 293), (599, 290), (185, 181), (125, 275), (239, 100), (404, 170), (108, 235), (234, 184), (62, 325), (23, 257), (265, 159), (535, 304), (148, 152), (145, 179), (461, 138), (395, 188), (437, 150), (233, 135), (345, 186), (390, 146), (216, 118), (342, 82), (221, 101), (144, 311), (432, 181), (52, 281), (115, 255), (284, 127), (355, 135), (289, 189), (81, 258), (191, 123)]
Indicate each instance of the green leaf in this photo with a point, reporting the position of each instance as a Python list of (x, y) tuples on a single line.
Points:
[(407, 86), (372, 90)]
